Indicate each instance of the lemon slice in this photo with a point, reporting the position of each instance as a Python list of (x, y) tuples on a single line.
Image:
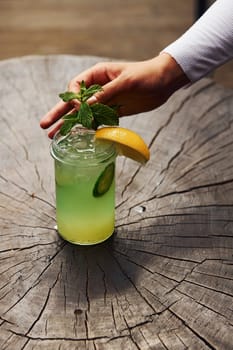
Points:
[(128, 142)]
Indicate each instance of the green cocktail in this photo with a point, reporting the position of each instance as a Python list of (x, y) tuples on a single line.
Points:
[(85, 187)]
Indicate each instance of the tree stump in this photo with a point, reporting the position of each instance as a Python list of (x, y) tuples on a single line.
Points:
[(165, 278)]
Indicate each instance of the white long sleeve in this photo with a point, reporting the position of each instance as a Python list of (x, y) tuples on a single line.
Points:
[(207, 44)]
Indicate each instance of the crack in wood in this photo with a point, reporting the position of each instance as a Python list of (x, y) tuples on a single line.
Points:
[(195, 164), (133, 262), (208, 84), (6, 341), (207, 140), (168, 308), (25, 344), (113, 315), (12, 151), (130, 334), (204, 305), (207, 287), (27, 248), (25, 191), (213, 275), (64, 293), (16, 272), (159, 274), (45, 303), (36, 282), (185, 346), (120, 336), (12, 223), (6, 321), (88, 300), (168, 215), (146, 341), (154, 226), (162, 342), (173, 113), (45, 339), (216, 104), (207, 206), (171, 160), (132, 177), (46, 327), (40, 180), (198, 335), (191, 189), (164, 256), (14, 132), (24, 248), (75, 324), (151, 143), (133, 284), (104, 282)]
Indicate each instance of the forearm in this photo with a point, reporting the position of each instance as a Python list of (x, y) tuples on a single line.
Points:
[(172, 75), (207, 44)]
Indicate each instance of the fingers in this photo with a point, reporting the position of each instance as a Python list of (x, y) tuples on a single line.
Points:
[(50, 119), (101, 73), (89, 76), (93, 75), (55, 128), (55, 113), (104, 74)]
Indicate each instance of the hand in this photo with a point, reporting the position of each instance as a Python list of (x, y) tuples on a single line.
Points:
[(135, 86)]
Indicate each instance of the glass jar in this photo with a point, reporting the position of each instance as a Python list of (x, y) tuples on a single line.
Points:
[(85, 186)]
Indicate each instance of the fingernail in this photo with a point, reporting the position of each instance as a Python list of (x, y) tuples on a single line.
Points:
[(75, 104), (92, 100)]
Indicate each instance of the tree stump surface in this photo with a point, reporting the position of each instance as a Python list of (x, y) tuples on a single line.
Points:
[(165, 278)]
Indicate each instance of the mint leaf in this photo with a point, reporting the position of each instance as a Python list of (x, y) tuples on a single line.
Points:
[(104, 115), (69, 95), (71, 116), (67, 126), (85, 115), (83, 95), (70, 120), (90, 116), (82, 89), (91, 91)]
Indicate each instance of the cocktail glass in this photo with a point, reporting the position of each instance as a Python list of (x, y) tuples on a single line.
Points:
[(85, 186)]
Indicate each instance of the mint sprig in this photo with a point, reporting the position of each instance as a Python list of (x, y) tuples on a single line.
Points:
[(90, 116)]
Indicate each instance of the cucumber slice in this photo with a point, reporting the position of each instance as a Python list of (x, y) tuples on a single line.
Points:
[(104, 181)]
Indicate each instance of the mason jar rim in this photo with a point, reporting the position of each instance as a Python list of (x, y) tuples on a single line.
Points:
[(84, 161)]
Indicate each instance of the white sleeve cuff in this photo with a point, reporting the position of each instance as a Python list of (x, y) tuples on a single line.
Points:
[(207, 44)]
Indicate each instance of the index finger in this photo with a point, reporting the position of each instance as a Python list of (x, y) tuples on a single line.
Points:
[(97, 74), (55, 113)]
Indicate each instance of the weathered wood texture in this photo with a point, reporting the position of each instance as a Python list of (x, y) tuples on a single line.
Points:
[(165, 279)]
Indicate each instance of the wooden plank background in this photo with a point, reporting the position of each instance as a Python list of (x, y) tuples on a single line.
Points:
[(131, 29)]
